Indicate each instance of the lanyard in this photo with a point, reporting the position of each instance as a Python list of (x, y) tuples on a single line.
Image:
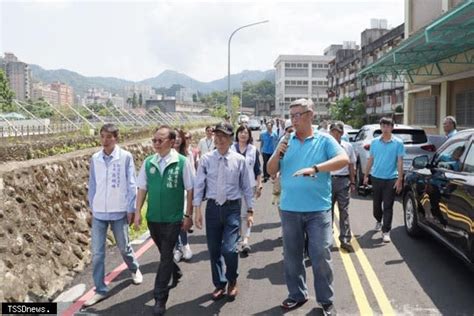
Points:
[(208, 144)]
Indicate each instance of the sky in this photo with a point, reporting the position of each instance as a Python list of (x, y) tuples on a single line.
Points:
[(140, 39)]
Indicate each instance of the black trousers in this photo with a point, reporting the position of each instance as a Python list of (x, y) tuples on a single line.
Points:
[(165, 236), (266, 157), (384, 196)]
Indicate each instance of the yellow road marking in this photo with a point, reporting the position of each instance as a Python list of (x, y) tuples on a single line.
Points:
[(375, 285), (356, 285)]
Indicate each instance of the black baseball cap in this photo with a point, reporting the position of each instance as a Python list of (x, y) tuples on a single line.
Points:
[(225, 128)]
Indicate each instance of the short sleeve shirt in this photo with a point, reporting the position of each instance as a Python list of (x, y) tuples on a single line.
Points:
[(385, 156), (307, 194)]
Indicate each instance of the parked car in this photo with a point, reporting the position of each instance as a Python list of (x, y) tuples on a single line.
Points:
[(254, 124), (241, 119), (414, 140), (437, 140), (438, 195), (351, 134)]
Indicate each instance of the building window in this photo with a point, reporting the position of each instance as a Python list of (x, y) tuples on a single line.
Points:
[(297, 83), (465, 109), (425, 111)]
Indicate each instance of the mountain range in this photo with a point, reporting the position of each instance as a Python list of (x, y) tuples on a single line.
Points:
[(165, 79)]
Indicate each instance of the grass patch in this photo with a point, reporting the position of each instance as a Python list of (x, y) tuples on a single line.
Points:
[(134, 234)]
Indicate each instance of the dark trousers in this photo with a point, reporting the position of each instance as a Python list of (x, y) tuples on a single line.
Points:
[(222, 232), (384, 192), (266, 157), (165, 236), (341, 196)]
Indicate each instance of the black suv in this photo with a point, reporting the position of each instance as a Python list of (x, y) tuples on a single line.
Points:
[(438, 195)]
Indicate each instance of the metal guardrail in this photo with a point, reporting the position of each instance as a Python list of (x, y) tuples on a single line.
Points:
[(122, 117)]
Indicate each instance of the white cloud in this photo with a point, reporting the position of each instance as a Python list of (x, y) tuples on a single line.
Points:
[(137, 40)]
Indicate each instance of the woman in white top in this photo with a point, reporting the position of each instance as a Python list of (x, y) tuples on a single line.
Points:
[(243, 145), (206, 144)]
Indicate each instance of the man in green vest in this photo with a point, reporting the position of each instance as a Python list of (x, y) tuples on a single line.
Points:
[(165, 175)]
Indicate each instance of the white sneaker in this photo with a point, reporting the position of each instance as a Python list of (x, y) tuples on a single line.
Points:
[(137, 277), (177, 255), (378, 226), (95, 299), (386, 237), (187, 253)]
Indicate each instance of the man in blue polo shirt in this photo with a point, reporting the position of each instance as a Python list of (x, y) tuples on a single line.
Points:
[(386, 156), (304, 161), (268, 140)]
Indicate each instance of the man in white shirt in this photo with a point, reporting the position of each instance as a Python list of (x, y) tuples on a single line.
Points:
[(206, 144), (343, 182)]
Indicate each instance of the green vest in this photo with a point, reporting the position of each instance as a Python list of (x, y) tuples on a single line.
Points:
[(165, 192)]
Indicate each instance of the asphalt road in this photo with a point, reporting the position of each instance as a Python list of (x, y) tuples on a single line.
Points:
[(405, 277)]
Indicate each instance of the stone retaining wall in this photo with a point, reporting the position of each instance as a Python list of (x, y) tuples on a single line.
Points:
[(45, 223)]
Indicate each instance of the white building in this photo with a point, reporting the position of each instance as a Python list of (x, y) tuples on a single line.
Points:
[(118, 101), (301, 76), (146, 91), (185, 94)]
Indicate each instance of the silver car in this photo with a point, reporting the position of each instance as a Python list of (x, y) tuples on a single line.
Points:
[(414, 139)]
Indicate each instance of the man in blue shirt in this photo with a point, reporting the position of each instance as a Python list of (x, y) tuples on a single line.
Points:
[(304, 161), (268, 141), (112, 194), (222, 177), (385, 165)]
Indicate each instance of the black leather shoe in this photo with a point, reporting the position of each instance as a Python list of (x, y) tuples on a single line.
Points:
[(347, 247), (159, 309), (328, 309), (175, 279)]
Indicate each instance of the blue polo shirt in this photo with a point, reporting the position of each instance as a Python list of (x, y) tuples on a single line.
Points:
[(385, 156), (269, 142), (307, 194)]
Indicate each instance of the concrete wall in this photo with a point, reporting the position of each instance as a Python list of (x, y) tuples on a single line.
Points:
[(455, 87), (423, 12), (45, 223)]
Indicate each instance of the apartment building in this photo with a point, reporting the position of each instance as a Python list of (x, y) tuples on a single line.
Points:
[(436, 59), (44, 91), (19, 76), (301, 76), (65, 93), (382, 95)]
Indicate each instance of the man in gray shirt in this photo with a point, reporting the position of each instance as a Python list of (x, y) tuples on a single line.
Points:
[(222, 177)]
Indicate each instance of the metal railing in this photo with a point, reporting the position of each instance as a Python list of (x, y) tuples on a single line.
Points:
[(135, 120)]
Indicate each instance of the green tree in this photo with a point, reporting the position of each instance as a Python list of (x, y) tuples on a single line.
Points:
[(40, 109), (219, 111), (6, 94), (134, 100), (261, 90), (349, 111), (140, 100)]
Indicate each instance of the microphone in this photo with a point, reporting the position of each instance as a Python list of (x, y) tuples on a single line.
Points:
[(285, 140)]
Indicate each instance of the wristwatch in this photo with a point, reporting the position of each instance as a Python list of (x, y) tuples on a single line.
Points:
[(250, 211), (187, 216), (316, 169)]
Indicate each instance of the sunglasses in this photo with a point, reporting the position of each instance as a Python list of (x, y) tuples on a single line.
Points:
[(158, 141)]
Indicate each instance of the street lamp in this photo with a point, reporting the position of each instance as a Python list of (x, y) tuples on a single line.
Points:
[(229, 103)]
